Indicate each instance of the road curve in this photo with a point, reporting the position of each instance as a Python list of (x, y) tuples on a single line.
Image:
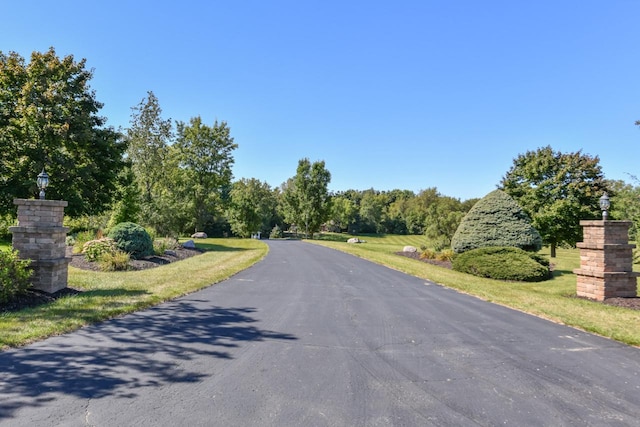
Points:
[(314, 337)]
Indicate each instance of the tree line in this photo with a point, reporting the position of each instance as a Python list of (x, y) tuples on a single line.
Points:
[(176, 178)]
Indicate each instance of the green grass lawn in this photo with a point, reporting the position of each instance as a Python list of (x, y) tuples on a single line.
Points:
[(554, 299), (106, 295)]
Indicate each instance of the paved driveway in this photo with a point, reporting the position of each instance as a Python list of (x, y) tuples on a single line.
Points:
[(314, 337)]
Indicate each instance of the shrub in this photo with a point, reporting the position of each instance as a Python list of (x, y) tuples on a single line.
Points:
[(496, 220), (503, 263), (80, 239), (161, 245), (14, 275), (132, 239), (276, 233), (445, 255), (428, 254), (115, 261), (94, 250)]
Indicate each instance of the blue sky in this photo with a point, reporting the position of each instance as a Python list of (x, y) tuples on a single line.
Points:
[(403, 94)]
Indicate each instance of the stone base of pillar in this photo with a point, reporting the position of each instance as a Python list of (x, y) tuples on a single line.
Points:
[(606, 261), (40, 237)]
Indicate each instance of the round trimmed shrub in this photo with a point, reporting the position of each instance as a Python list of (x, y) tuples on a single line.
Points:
[(503, 263), (93, 250), (496, 220), (132, 239)]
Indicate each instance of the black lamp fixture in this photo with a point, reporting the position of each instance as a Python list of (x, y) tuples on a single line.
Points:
[(43, 182), (605, 205)]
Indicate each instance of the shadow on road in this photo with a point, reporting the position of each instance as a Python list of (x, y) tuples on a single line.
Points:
[(119, 356)]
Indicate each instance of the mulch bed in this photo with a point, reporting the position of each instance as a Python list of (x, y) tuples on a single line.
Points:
[(35, 298), (79, 260), (631, 303)]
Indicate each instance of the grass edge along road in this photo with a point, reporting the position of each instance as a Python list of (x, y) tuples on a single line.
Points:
[(107, 295), (553, 299)]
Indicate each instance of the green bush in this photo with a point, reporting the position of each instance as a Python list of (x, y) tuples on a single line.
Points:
[(94, 250), (276, 233), (496, 220), (161, 245), (14, 275), (114, 261), (132, 239), (503, 263), (79, 239)]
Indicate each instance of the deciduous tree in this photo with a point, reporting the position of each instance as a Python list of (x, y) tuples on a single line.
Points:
[(49, 119), (306, 196), (557, 190), (205, 155), (252, 207)]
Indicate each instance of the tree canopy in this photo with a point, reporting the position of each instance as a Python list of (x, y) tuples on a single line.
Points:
[(306, 197), (49, 120), (557, 190)]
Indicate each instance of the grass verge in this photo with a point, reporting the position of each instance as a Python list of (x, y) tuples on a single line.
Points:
[(553, 300), (107, 295)]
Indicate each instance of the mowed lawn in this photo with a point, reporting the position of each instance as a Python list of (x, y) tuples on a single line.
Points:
[(106, 295), (554, 299)]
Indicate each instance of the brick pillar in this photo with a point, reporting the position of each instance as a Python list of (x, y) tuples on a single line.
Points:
[(606, 261), (40, 237)]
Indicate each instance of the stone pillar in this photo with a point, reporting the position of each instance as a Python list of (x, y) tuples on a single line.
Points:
[(606, 261), (40, 237)]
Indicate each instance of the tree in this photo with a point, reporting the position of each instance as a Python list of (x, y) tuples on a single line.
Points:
[(149, 137), (442, 220), (205, 156), (252, 207), (49, 119), (625, 204), (557, 190), (306, 197), (343, 213), (496, 220)]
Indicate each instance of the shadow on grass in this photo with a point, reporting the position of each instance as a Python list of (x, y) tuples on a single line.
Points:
[(150, 348), (218, 248)]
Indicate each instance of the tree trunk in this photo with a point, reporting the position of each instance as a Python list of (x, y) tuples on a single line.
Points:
[(553, 250)]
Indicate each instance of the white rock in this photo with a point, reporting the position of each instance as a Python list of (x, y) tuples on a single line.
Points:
[(199, 235), (409, 249)]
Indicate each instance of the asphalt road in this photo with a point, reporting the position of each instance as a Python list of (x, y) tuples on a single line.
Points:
[(314, 337)]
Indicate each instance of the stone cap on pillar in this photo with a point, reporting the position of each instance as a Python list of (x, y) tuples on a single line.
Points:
[(40, 202)]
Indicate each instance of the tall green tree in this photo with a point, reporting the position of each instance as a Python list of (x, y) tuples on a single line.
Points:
[(206, 157), (556, 190), (625, 204), (306, 196), (149, 137), (252, 207), (49, 119)]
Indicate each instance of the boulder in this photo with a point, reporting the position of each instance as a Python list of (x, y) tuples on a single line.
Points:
[(189, 244), (199, 235), (409, 249), (355, 240)]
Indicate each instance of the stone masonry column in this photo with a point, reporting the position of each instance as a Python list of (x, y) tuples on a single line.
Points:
[(40, 237), (606, 261)]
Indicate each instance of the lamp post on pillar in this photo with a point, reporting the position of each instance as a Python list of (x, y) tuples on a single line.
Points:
[(605, 205), (40, 237), (43, 182)]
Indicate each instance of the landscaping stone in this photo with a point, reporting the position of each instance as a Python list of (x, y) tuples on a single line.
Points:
[(199, 235), (189, 244), (409, 249)]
